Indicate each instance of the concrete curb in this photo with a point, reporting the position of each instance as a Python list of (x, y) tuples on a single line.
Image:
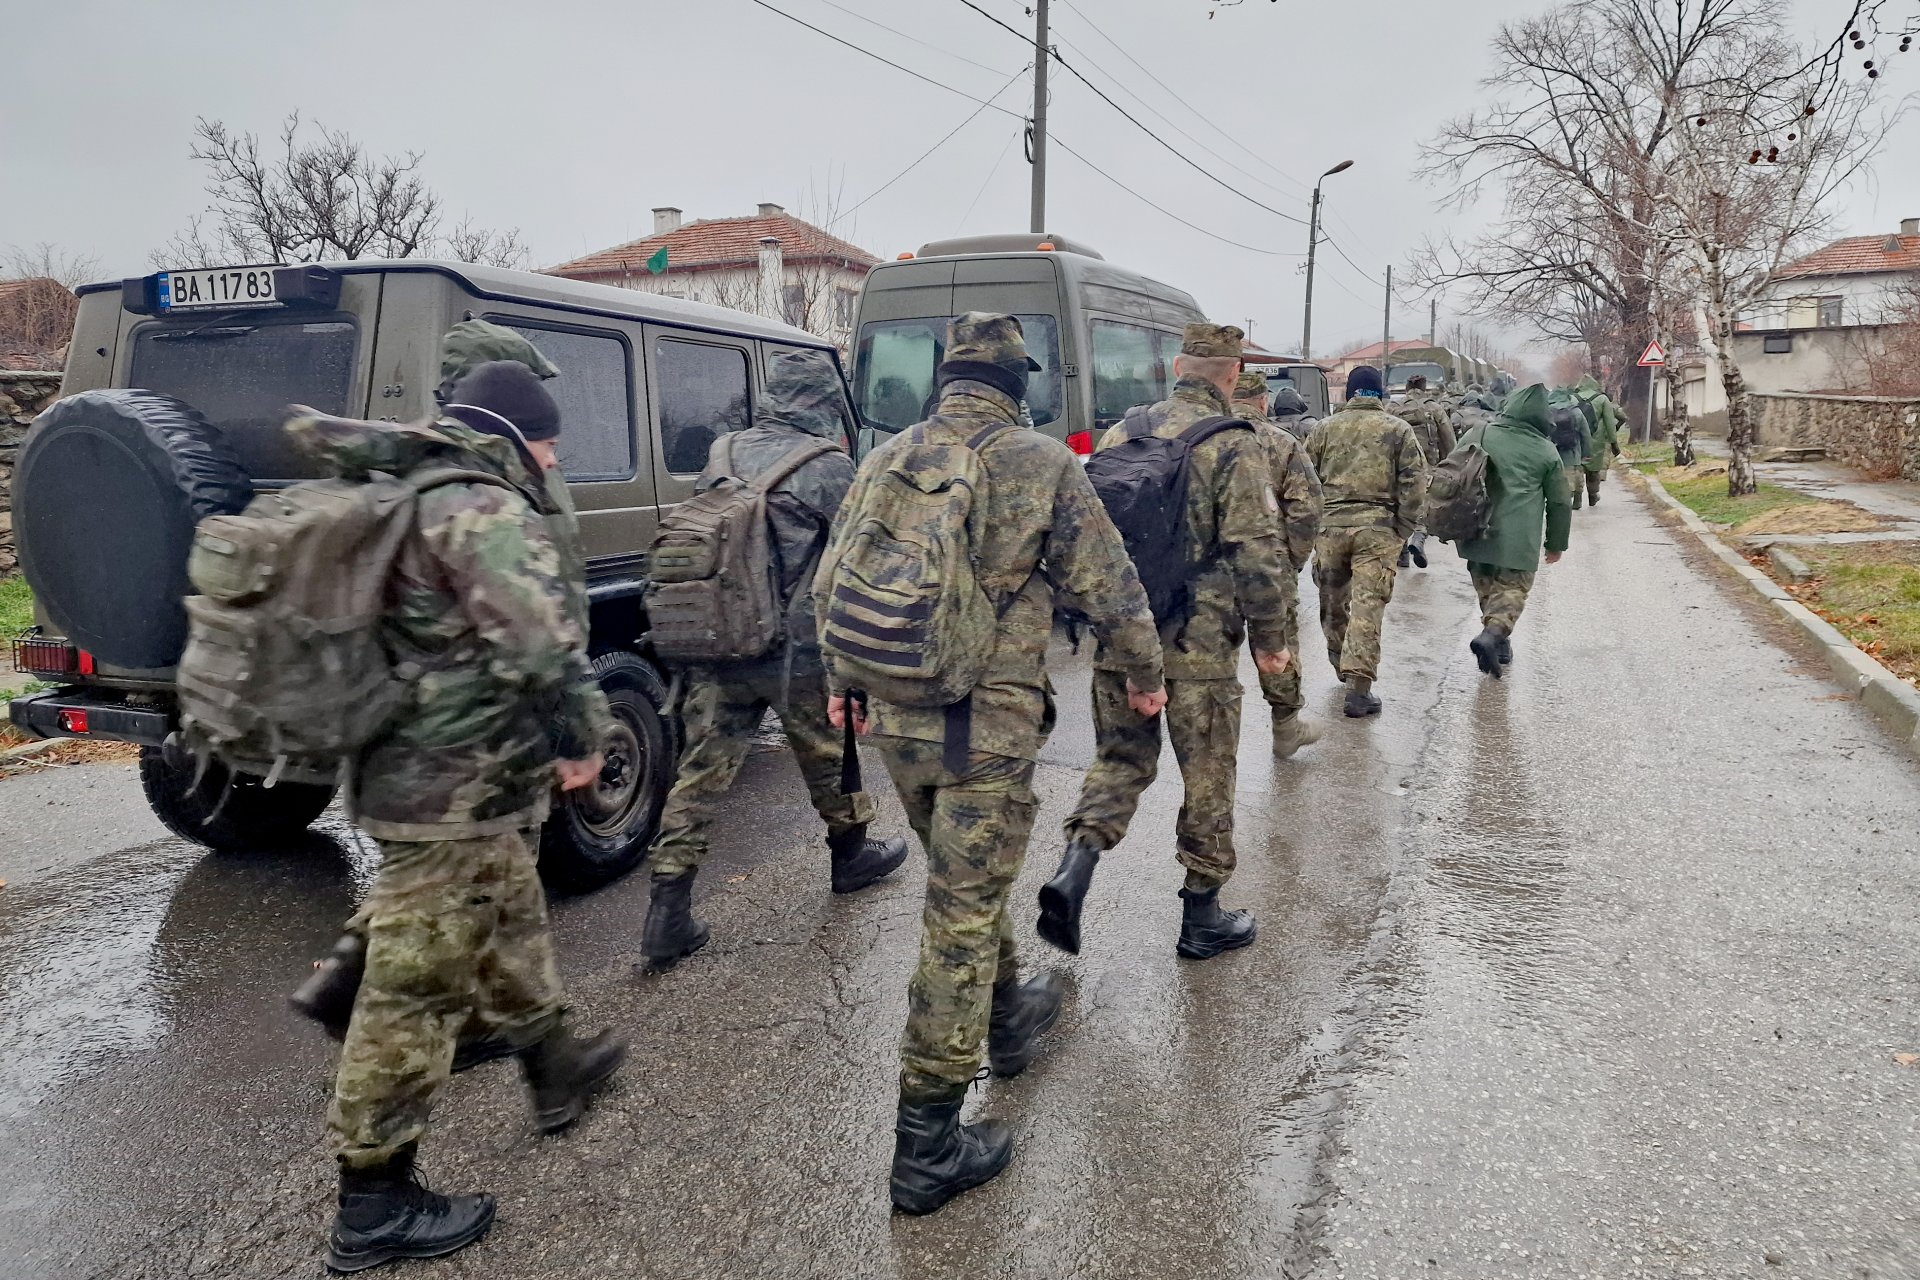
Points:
[(1892, 699)]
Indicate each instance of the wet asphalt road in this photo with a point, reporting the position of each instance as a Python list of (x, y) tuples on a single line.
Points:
[(1596, 971)]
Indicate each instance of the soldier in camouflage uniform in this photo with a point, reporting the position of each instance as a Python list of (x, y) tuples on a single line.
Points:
[(966, 781), (455, 791), (725, 704), (1432, 427), (1603, 419), (1375, 481), (1572, 437), (1290, 412), (1297, 491), (1242, 589)]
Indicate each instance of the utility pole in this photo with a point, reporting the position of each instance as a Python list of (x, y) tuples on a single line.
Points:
[(1386, 328), (1313, 243), (1039, 149), (1433, 321)]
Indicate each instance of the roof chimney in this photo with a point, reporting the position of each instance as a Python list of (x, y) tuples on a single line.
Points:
[(1910, 226), (772, 276), (770, 210), (665, 219)]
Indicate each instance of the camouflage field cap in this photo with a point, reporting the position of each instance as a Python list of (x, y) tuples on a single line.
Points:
[(472, 343), (1251, 386), (1204, 338), (990, 337)]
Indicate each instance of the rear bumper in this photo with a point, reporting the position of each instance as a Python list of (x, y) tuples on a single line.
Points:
[(39, 715)]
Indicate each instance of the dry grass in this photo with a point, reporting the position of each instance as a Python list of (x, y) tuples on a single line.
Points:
[(72, 751), (1772, 509), (1870, 591), (1824, 516)]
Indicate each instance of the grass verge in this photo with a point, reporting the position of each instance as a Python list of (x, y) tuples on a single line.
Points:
[(16, 607), (1772, 508), (1870, 592)]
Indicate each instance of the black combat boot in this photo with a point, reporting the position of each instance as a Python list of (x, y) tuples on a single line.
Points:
[(1486, 651), (1062, 897), (1418, 550), (328, 994), (562, 1072), (1022, 1012), (671, 931), (1593, 488), (1406, 557), (859, 862), (386, 1213), (935, 1157), (1206, 930), (1506, 650), (1361, 700)]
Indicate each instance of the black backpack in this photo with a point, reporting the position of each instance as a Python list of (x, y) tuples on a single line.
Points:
[(1567, 420), (1142, 482)]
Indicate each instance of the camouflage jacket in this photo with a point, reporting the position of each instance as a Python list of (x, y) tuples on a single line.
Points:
[(1295, 486), (1371, 469), (1048, 540), (479, 591), (1431, 425), (1244, 585)]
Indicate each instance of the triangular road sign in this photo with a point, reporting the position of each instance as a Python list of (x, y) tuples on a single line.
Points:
[(1654, 354)]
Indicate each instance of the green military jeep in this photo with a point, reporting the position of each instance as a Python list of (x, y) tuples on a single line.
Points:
[(105, 500)]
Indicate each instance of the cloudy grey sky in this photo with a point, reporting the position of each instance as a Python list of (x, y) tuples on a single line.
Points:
[(571, 119)]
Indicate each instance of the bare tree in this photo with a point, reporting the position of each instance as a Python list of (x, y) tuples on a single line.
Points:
[(318, 198), (1744, 196), (36, 313)]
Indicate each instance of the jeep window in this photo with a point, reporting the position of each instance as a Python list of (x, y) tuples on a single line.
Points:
[(241, 370), (1131, 365), (895, 360), (595, 395), (703, 394)]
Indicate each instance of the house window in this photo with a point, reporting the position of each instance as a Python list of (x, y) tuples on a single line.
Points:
[(703, 394), (595, 394), (843, 304), (793, 305), (1830, 311), (1777, 344)]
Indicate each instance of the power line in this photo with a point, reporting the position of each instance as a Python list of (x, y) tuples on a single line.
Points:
[(1134, 120), (972, 116), (1212, 235), (851, 13), (890, 62), (1016, 135), (1199, 115)]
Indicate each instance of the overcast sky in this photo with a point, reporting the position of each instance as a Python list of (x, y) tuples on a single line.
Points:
[(571, 119)]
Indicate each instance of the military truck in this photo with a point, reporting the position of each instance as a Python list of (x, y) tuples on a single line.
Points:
[(1105, 336), (107, 492)]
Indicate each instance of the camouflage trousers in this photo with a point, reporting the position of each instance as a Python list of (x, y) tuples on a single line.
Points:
[(1503, 594), (457, 948), (1282, 692), (721, 712), (1353, 568), (974, 827), (1576, 474), (1203, 719)]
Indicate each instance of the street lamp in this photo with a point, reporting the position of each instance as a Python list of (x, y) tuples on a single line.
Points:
[(1313, 241)]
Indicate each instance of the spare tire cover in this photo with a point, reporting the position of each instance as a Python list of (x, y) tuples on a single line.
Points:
[(107, 490)]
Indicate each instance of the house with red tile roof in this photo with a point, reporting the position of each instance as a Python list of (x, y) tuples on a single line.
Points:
[(769, 263), (1856, 281)]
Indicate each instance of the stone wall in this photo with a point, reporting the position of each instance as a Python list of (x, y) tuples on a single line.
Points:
[(22, 395), (1878, 434)]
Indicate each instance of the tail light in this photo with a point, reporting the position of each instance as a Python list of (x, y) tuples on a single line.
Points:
[(73, 720), (1081, 442), (50, 658)]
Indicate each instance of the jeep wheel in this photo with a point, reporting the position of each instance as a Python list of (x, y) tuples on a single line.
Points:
[(599, 833), (253, 815)]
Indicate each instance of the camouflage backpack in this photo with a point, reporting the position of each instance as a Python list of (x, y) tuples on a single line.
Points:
[(286, 671), (715, 593), (1459, 507), (908, 618)]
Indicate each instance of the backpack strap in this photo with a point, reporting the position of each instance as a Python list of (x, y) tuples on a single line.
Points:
[(1198, 433), (435, 477), (988, 434), (1138, 421), (795, 459)]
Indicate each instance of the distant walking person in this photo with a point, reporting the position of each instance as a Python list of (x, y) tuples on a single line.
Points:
[(1435, 431), (1374, 479), (1603, 425), (1531, 504), (1296, 490)]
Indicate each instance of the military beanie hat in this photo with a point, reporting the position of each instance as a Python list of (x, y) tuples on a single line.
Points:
[(502, 398), (1364, 380), (988, 337), (1251, 386), (1204, 338)]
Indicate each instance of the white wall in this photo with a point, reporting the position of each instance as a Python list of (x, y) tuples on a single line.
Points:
[(1791, 304)]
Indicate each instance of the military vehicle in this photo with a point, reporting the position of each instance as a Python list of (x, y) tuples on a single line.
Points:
[(107, 492)]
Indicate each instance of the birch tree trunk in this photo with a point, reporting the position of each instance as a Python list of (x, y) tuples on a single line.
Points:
[(1679, 425)]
